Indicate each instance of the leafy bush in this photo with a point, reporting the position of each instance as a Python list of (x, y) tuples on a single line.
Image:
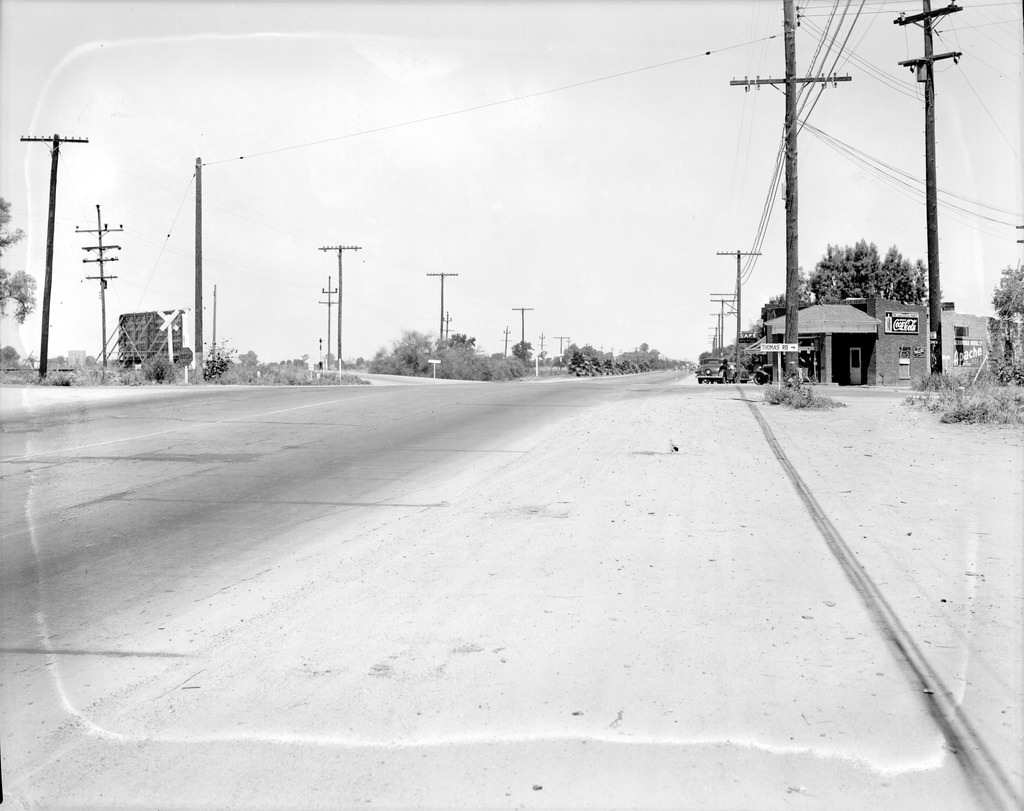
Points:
[(58, 379), (159, 369), (217, 362), (941, 382), (1009, 373), (983, 403), (409, 356), (799, 396), (460, 360)]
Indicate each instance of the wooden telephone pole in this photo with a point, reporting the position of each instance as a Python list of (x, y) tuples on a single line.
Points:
[(791, 126), (329, 293), (198, 357), (440, 333), (926, 73), (739, 285), (100, 230), (55, 141), (340, 249), (522, 313)]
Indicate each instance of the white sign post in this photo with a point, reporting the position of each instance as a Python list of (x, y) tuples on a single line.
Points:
[(168, 325), (779, 349), (433, 367)]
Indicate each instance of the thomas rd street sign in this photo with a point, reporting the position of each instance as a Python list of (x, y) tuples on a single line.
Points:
[(779, 347)]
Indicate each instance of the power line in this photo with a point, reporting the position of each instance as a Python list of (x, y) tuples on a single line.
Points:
[(904, 178), (490, 104), (167, 239)]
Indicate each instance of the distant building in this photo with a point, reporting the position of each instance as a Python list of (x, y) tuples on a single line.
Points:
[(876, 341)]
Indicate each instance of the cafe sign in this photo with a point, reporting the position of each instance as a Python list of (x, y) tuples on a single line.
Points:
[(897, 323)]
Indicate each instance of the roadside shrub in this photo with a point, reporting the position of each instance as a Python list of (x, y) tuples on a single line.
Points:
[(985, 404), (217, 362), (800, 396), (941, 382), (58, 379), (159, 369), (1009, 373), (233, 373)]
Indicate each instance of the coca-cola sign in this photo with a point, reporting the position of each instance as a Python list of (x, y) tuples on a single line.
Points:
[(902, 323)]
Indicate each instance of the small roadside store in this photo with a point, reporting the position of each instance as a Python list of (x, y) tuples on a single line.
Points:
[(863, 342)]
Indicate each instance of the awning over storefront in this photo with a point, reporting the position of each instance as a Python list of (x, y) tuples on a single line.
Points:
[(756, 347), (827, 319)]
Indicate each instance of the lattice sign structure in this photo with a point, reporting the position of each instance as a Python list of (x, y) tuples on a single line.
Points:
[(142, 336)]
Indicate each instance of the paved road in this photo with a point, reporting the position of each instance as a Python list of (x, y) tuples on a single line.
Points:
[(451, 594)]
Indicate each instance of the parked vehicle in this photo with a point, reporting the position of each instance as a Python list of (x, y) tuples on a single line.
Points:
[(712, 372)]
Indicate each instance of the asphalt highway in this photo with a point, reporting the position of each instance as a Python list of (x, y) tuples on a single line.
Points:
[(562, 593)]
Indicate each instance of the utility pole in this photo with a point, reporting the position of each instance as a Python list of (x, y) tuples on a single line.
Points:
[(329, 293), (215, 317), (55, 141), (791, 126), (560, 339), (447, 324), (926, 73), (739, 285), (522, 312), (340, 249), (542, 343), (440, 335), (100, 230), (506, 341), (199, 272), (722, 299), (715, 346)]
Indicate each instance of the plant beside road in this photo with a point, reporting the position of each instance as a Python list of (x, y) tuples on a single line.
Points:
[(984, 399), (800, 395)]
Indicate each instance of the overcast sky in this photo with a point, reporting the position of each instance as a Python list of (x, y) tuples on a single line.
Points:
[(584, 159)]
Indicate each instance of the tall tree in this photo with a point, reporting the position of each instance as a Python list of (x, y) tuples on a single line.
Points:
[(523, 351), (1008, 297), (18, 287), (859, 272), (900, 281), (803, 293)]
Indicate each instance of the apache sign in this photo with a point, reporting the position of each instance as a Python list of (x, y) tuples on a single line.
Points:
[(902, 323), (968, 352)]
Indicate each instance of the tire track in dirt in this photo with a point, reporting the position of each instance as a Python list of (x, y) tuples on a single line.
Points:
[(983, 771)]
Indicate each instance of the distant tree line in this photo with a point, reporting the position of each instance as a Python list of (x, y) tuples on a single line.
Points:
[(459, 358)]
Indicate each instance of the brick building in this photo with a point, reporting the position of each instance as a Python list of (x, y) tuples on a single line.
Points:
[(863, 342), (966, 343), (901, 353)]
